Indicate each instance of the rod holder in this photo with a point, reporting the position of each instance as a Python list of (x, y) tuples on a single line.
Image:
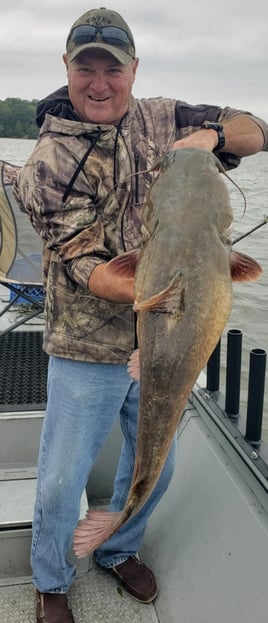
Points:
[(233, 372), (256, 384), (213, 369)]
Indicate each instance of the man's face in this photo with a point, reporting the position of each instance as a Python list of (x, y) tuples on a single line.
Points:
[(100, 86)]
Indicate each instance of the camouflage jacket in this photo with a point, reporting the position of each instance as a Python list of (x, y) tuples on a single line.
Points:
[(90, 217)]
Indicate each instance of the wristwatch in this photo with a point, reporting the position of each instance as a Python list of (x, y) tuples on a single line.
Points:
[(211, 125)]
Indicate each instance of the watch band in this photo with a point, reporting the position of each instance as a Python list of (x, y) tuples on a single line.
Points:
[(210, 125)]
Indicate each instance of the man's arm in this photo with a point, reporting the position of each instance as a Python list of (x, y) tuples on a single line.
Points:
[(243, 137), (106, 284)]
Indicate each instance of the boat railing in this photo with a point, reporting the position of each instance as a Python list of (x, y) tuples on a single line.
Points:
[(244, 431)]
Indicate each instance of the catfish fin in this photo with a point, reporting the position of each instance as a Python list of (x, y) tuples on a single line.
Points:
[(167, 301), (243, 267), (133, 365), (125, 264)]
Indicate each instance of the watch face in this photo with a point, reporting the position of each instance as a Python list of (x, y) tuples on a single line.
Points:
[(210, 125)]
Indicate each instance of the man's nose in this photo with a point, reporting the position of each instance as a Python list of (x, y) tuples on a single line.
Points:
[(98, 83)]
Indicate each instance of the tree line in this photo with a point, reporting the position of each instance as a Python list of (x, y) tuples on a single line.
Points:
[(17, 118)]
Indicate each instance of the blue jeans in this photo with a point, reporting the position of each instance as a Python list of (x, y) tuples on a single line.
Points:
[(83, 401)]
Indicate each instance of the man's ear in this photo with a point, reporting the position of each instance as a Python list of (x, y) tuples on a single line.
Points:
[(135, 66), (65, 60)]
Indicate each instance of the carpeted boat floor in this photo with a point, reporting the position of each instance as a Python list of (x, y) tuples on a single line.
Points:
[(23, 371)]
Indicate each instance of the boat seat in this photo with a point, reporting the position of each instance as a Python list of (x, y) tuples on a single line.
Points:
[(20, 256)]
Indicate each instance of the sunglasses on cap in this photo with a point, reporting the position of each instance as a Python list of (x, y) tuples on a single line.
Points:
[(107, 34)]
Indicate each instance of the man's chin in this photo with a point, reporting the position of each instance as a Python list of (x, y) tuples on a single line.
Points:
[(98, 113)]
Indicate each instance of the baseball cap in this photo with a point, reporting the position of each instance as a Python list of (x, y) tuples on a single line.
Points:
[(104, 29)]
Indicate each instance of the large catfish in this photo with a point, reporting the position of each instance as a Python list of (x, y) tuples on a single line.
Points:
[(183, 291)]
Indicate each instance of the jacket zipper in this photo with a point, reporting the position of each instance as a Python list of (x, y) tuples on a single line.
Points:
[(136, 161)]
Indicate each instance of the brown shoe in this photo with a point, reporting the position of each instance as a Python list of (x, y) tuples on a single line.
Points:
[(137, 579), (53, 608)]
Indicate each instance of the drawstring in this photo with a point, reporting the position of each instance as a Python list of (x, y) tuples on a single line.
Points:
[(115, 148), (80, 166), (76, 173), (88, 151), (136, 159)]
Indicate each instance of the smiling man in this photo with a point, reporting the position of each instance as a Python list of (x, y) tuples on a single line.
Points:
[(84, 188), (100, 86), (100, 77)]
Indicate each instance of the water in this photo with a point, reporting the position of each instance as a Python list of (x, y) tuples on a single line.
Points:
[(250, 305), (16, 150)]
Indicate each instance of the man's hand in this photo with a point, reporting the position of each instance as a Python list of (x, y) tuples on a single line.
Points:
[(204, 139), (107, 284)]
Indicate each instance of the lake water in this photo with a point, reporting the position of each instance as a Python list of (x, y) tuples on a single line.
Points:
[(250, 304)]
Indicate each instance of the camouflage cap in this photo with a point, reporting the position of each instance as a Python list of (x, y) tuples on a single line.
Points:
[(104, 29)]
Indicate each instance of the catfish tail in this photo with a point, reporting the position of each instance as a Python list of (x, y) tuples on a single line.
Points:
[(97, 527)]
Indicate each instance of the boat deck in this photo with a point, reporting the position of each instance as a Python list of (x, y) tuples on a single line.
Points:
[(94, 598), (207, 541)]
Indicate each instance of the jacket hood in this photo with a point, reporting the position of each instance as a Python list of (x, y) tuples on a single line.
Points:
[(57, 104), (69, 127)]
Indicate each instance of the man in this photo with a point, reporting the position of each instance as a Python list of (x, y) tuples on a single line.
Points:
[(84, 188)]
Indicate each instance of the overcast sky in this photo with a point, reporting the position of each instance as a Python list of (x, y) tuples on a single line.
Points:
[(200, 51)]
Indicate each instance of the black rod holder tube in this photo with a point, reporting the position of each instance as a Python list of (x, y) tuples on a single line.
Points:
[(213, 369), (256, 383), (233, 372)]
